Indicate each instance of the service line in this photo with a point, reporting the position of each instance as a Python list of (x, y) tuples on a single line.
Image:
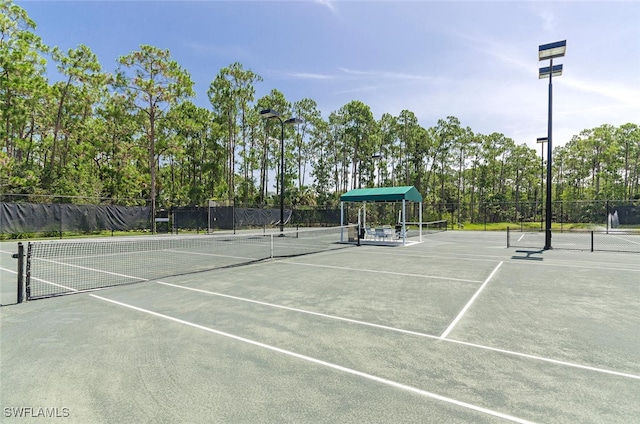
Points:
[(403, 331), (470, 302)]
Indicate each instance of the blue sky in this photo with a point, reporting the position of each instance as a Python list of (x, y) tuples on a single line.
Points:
[(476, 60)]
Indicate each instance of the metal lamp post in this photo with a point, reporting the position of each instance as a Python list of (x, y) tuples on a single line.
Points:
[(541, 140), (268, 114), (549, 52), (376, 157)]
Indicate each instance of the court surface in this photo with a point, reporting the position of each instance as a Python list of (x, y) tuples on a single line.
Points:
[(457, 329)]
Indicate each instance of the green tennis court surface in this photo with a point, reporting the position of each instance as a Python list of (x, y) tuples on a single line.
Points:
[(455, 329)]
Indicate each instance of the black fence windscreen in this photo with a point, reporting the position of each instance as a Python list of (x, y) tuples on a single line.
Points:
[(17, 218), (230, 217)]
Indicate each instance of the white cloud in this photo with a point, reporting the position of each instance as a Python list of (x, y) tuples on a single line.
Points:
[(329, 4), (310, 76), (388, 74), (548, 20), (625, 95)]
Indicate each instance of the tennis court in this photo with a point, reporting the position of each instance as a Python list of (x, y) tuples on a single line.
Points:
[(456, 329)]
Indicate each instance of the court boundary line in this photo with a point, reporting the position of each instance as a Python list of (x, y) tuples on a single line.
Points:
[(408, 332), (571, 265), (470, 302), (327, 364), (625, 240), (377, 271), (488, 258)]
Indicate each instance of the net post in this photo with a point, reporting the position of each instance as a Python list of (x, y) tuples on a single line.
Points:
[(507, 237), (592, 241), (27, 280), (20, 257)]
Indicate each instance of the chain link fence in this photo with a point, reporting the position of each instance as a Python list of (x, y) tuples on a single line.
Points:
[(584, 213)]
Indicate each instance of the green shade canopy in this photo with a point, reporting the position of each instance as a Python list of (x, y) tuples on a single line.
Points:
[(382, 194)]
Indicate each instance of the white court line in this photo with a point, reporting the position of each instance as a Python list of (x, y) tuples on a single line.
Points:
[(521, 237), (324, 363), (596, 267), (466, 257), (625, 240), (380, 272), (468, 305), (81, 267), (8, 270), (54, 284), (303, 311), (208, 254), (93, 270), (541, 358), (413, 333), (493, 258)]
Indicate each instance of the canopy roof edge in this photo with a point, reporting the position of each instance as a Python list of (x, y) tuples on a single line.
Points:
[(382, 194)]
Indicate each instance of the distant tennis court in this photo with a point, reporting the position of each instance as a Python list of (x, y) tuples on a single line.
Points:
[(456, 329)]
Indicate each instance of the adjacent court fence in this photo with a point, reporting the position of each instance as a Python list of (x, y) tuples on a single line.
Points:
[(607, 213), (24, 216), (612, 240)]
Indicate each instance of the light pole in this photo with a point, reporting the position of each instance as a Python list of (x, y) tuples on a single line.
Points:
[(541, 140), (376, 157), (549, 52), (268, 114)]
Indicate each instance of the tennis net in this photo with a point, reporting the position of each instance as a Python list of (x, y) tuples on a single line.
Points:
[(429, 227), (55, 268)]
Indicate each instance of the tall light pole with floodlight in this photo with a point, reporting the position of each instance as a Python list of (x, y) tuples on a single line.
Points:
[(549, 52), (541, 141), (376, 157), (268, 114)]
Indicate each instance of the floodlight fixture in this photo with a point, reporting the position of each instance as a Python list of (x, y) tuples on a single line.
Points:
[(552, 50), (268, 114), (293, 121), (546, 72)]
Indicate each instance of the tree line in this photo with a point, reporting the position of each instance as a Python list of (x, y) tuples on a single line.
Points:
[(133, 134)]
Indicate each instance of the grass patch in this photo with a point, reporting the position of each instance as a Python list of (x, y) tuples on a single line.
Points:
[(525, 226)]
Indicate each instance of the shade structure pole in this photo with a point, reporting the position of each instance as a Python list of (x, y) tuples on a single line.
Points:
[(364, 215), (420, 219), (341, 222), (404, 221)]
